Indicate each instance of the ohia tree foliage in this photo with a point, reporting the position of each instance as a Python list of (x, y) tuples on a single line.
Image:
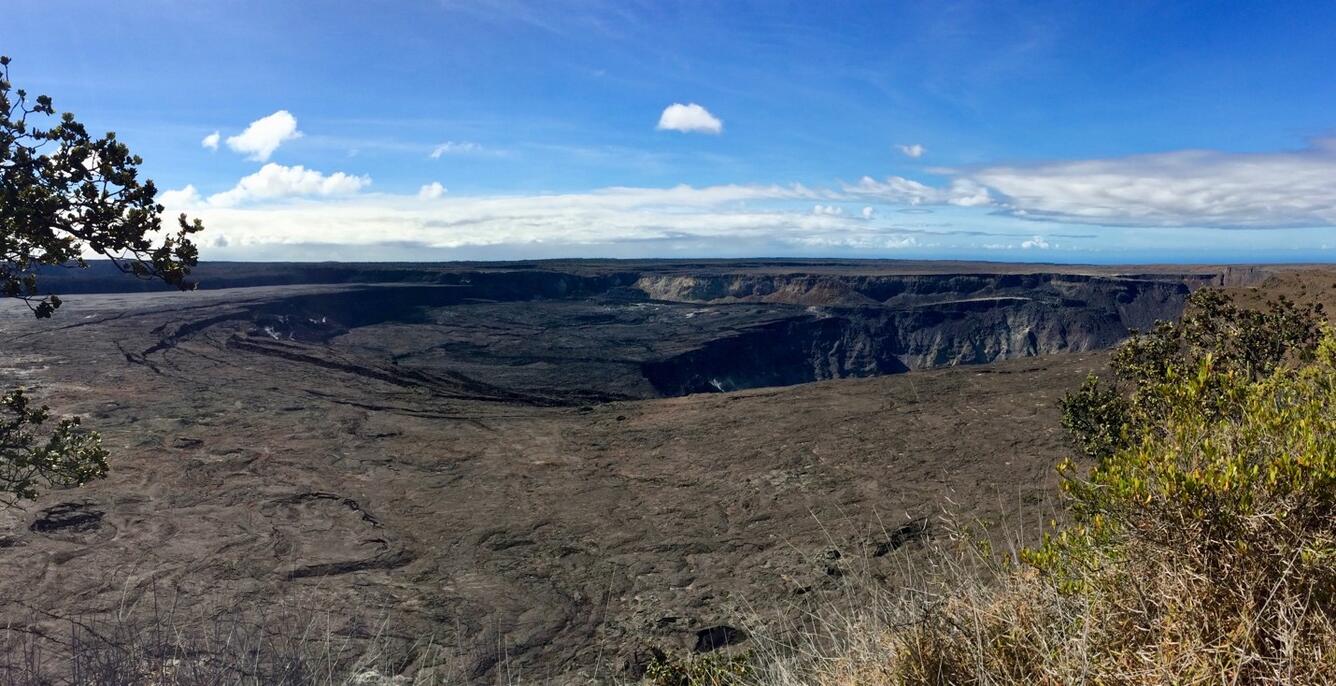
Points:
[(64, 196)]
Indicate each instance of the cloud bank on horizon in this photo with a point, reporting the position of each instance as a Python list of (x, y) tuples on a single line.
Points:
[(965, 129)]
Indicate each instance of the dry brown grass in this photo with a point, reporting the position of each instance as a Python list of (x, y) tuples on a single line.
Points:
[(976, 621), (152, 642), (1202, 552)]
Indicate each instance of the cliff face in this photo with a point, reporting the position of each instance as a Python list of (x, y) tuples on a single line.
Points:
[(880, 325), (856, 290)]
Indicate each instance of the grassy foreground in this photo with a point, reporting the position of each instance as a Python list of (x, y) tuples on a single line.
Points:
[(1199, 547)]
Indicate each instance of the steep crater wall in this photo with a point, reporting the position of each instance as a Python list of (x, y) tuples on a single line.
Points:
[(904, 323)]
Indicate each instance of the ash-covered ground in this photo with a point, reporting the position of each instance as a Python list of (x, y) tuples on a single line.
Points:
[(548, 469)]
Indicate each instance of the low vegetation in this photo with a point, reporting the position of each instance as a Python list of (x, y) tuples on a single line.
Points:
[(1198, 547), (167, 642)]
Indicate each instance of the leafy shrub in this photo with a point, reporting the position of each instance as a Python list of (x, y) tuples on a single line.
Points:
[(1214, 529), (1106, 415)]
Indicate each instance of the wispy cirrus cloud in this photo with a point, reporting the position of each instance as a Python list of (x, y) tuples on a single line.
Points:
[(454, 148)]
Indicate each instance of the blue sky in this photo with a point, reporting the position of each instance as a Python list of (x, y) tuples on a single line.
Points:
[(466, 129)]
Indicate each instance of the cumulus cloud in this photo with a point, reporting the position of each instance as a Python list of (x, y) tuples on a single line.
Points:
[(828, 210), (264, 135), (690, 118), (914, 151), (272, 182), (211, 141), (868, 212), (454, 148), (1038, 242), (431, 191), (182, 197)]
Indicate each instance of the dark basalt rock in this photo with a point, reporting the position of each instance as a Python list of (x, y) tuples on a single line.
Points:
[(716, 637), (296, 328), (637, 662), (907, 533), (71, 521)]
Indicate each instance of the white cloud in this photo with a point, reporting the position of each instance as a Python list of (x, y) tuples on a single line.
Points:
[(431, 191), (91, 162), (868, 212), (211, 141), (264, 135), (691, 118), (276, 182), (1188, 188), (1037, 242), (180, 198), (1184, 188), (828, 210), (687, 197), (901, 191), (455, 148), (858, 242), (914, 151)]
